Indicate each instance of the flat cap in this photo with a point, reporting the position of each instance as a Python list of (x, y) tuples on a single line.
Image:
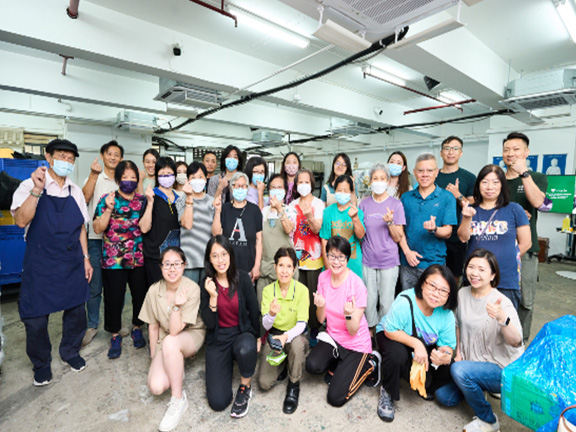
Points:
[(62, 144)]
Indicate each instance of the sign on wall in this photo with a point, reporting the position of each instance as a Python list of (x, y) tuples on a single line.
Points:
[(554, 164), (561, 193)]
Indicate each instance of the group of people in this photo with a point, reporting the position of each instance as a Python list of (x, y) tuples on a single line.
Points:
[(252, 264)]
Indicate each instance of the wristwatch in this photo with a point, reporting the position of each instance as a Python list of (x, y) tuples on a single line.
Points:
[(348, 317), (460, 198), (175, 308), (525, 174), (505, 323)]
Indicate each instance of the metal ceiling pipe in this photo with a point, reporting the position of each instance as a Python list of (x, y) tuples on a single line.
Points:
[(72, 9), (220, 10), (65, 62), (453, 104)]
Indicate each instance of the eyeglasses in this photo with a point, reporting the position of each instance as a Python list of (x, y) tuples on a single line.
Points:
[(175, 265), (449, 149), (338, 258), (221, 256), (340, 165), (441, 291)]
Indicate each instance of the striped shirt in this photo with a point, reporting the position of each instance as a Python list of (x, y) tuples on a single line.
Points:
[(193, 241)]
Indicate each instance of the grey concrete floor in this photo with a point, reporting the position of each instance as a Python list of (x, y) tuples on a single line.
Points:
[(111, 395)]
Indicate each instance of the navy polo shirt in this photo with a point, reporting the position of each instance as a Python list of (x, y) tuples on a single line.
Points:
[(439, 203)]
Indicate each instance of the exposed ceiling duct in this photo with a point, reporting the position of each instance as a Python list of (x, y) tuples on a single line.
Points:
[(267, 138), (133, 121), (187, 94), (347, 128)]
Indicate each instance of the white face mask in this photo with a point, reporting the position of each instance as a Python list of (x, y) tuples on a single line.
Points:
[(181, 178), (379, 187), (198, 184), (304, 189)]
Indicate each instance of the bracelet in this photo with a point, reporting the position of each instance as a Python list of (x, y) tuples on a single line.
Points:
[(86, 256), (189, 205), (390, 223), (213, 308), (34, 194)]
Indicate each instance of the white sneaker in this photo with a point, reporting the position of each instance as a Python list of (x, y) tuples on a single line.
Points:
[(176, 408), (477, 425)]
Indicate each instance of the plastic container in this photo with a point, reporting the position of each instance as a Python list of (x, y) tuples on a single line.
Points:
[(21, 168), (12, 247)]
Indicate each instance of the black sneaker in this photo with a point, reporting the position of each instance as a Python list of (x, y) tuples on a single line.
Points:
[(328, 377), (385, 406), (76, 364), (138, 338), (43, 377), (374, 378), (241, 401)]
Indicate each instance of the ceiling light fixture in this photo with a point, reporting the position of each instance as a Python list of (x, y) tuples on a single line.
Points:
[(339, 36), (383, 75), (270, 28), (567, 13)]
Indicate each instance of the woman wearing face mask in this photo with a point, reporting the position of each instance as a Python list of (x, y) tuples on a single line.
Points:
[(231, 162), (276, 229), (257, 172), (181, 177), (384, 219), (346, 220), (240, 222), (306, 218), (193, 240), (399, 182), (147, 176), (160, 223), (117, 216), (290, 167), (340, 166)]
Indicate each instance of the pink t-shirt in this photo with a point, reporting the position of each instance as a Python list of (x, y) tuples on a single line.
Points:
[(336, 297)]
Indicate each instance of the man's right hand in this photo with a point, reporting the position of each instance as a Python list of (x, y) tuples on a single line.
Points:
[(96, 168), (412, 258), (39, 179)]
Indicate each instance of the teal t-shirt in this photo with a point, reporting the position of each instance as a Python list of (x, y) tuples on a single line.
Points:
[(336, 222), (439, 328)]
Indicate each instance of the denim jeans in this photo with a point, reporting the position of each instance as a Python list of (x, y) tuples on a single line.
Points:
[(93, 303), (195, 274), (471, 380)]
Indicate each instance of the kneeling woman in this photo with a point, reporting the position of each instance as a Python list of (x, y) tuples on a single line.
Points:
[(489, 338), (285, 305), (419, 328), (230, 310), (344, 351), (176, 331)]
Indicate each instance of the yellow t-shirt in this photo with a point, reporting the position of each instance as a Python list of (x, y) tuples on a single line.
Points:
[(294, 307)]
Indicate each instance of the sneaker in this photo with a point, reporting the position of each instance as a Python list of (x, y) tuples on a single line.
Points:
[(42, 377), (374, 378), (76, 364), (88, 336), (124, 332), (495, 395), (385, 406), (115, 347), (328, 377), (313, 338), (241, 401), (176, 408), (139, 341), (477, 425)]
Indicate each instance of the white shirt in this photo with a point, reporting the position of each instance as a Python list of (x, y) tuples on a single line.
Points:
[(104, 185)]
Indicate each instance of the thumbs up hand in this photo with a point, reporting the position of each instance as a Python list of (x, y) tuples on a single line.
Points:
[(495, 311)]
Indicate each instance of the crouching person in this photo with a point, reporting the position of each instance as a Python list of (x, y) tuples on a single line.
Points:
[(176, 332)]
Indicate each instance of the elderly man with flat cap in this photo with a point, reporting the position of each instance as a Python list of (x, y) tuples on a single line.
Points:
[(56, 262)]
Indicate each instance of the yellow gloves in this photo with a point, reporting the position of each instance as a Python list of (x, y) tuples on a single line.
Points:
[(418, 378)]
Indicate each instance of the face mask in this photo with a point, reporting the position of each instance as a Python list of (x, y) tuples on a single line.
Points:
[(304, 189), (128, 186), (198, 185), (231, 164), (342, 198), (62, 168), (291, 169), (279, 194), (257, 178), (181, 178), (166, 181), (239, 194), (379, 187), (395, 170)]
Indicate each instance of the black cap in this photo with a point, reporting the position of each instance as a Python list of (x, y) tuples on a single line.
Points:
[(62, 144)]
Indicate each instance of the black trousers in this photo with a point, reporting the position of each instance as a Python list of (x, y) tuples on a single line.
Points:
[(153, 271), (230, 345), (114, 282), (350, 369), (38, 346), (397, 362)]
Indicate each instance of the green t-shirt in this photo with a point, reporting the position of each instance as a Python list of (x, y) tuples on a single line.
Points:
[(466, 181), (517, 195), (293, 308)]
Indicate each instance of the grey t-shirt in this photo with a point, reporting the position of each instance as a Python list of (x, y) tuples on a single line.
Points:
[(481, 337), (193, 241)]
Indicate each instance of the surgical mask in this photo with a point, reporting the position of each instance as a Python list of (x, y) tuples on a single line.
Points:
[(128, 186), (395, 170), (279, 194), (342, 198), (62, 168), (231, 164), (291, 169), (257, 178), (304, 189), (166, 181), (240, 194), (181, 178), (198, 184), (379, 187)]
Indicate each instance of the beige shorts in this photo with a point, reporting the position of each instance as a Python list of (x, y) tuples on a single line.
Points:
[(198, 336)]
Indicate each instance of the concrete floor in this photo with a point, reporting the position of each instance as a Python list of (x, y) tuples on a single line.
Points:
[(113, 396)]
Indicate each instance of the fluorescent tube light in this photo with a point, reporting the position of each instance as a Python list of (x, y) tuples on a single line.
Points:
[(566, 11), (271, 29), (383, 75)]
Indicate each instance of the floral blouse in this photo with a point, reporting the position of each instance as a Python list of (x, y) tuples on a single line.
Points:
[(122, 238)]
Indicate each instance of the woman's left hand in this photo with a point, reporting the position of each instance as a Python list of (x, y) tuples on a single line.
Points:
[(440, 357), (260, 186), (187, 189), (181, 297), (282, 338), (495, 310), (353, 211), (349, 307)]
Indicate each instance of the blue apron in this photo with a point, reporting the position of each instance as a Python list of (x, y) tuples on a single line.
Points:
[(53, 277)]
